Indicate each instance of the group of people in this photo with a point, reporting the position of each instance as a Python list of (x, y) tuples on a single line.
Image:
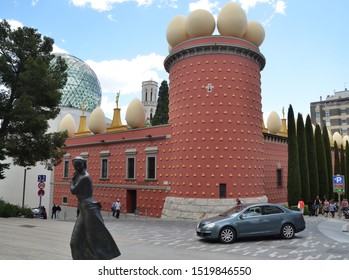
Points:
[(327, 207), (56, 209)]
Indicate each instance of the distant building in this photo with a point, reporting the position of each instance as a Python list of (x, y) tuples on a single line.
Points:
[(149, 98), (332, 112)]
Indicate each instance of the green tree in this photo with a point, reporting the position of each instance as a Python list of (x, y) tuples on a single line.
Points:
[(328, 152), (293, 176), (312, 159), (161, 113), (321, 162), (29, 96), (347, 169), (303, 158), (337, 164)]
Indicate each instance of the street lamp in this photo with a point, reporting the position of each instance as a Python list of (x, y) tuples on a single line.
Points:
[(25, 175)]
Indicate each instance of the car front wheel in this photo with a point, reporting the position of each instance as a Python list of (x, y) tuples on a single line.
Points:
[(227, 235), (287, 231)]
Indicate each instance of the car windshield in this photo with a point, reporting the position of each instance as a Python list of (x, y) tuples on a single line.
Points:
[(234, 210)]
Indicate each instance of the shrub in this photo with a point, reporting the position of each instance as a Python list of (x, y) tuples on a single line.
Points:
[(9, 210)]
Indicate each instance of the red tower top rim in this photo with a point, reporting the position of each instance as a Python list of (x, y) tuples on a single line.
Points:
[(212, 45)]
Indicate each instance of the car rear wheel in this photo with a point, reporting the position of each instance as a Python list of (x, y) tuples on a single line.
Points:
[(227, 235), (287, 231)]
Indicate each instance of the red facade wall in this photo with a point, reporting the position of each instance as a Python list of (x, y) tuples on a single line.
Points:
[(214, 138)]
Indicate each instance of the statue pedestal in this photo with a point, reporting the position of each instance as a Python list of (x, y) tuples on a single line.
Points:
[(116, 124), (82, 131)]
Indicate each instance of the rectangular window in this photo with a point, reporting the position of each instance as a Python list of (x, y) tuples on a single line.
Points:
[(151, 167), (131, 168), (66, 169), (151, 162), (327, 113), (64, 200), (104, 168), (279, 177), (222, 190)]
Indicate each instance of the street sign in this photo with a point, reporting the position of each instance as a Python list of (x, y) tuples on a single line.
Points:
[(42, 178), (41, 192), (338, 183), (41, 185)]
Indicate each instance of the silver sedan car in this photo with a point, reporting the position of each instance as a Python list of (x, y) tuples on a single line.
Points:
[(252, 221)]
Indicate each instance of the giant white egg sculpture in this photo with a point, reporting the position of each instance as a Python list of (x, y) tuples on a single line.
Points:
[(338, 138), (176, 32), (97, 122), (200, 23), (232, 20), (255, 33), (68, 124), (274, 123), (135, 115), (345, 140)]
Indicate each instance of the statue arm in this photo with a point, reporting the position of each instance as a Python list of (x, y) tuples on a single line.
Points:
[(80, 184)]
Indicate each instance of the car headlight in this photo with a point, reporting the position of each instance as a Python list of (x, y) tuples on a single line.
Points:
[(211, 225)]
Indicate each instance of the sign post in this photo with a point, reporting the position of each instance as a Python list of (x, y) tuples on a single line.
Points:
[(338, 187), (41, 186)]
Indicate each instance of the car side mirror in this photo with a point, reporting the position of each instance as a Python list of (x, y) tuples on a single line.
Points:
[(243, 216)]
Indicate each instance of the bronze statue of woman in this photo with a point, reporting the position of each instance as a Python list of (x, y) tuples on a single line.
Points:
[(90, 239)]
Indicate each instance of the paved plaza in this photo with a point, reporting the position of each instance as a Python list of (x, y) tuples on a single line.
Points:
[(158, 239)]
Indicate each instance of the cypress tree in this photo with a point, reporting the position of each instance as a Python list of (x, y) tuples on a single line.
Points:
[(347, 169), (321, 163), (328, 152), (312, 159), (343, 164), (342, 161), (293, 177), (161, 113), (303, 158), (337, 163)]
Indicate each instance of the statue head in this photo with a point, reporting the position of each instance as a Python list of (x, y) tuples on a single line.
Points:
[(79, 163)]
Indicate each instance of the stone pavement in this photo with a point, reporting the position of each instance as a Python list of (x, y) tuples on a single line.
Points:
[(148, 238)]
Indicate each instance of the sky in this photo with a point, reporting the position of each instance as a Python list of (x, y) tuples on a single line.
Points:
[(124, 41)]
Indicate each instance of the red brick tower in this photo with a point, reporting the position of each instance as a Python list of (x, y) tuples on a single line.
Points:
[(216, 116)]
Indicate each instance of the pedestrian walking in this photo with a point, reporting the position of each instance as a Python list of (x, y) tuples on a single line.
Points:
[(54, 210), (113, 209), (117, 209), (317, 203), (301, 206), (58, 210), (326, 207), (332, 208)]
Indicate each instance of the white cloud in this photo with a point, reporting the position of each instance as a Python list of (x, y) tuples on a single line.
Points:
[(144, 2), (127, 75), (111, 18), (34, 2), (14, 23), (280, 7), (57, 49), (107, 5), (203, 4)]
